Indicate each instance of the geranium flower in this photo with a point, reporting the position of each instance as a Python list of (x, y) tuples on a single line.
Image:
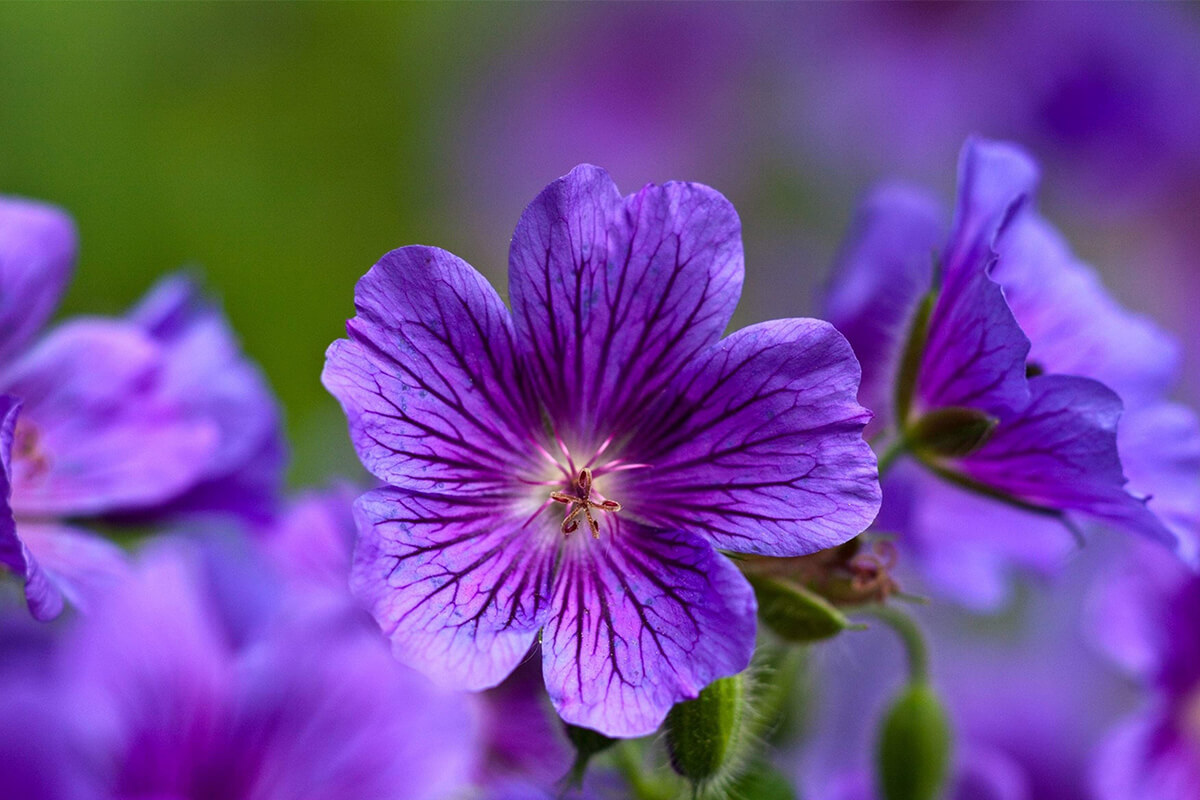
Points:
[(1007, 448), (567, 473), (120, 419)]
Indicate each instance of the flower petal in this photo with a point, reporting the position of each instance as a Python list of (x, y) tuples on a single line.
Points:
[(459, 584), (37, 251), (207, 374), (975, 354), (643, 618), (994, 181), (44, 599), (429, 378), (966, 546), (80, 566), (1075, 326), (613, 296), (1160, 451), (102, 437), (879, 280), (762, 451), (1060, 453)]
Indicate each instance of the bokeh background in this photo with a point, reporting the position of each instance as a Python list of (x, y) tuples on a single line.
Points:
[(281, 149)]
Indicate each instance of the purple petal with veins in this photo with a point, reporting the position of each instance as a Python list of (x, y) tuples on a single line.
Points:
[(762, 450), (1061, 453), (429, 378), (975, 355), (643, 620), (613, 296), (460, 584)]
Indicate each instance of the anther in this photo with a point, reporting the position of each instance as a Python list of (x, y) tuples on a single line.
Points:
[(583, 503)]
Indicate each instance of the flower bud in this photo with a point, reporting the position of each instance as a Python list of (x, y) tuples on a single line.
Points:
[(703, 734), (795, 613), (914, 746), (951, 432)]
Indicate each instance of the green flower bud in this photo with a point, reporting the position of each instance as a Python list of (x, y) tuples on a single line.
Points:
[(703, 735), (795, 613), (951, 432), (914, 746)]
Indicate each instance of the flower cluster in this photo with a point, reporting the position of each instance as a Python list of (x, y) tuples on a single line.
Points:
[(600, 480)]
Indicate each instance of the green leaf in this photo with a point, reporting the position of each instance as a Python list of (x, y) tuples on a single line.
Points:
[(914, 746), (795, 613)]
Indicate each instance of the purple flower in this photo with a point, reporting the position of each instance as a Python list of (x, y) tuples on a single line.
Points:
[(1145, 620), (1043, 448), (159, 694), (113, 418), (566, 473)]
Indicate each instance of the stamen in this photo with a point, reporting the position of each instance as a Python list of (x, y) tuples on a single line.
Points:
[(546, 454), (617, 466), (582, 503), (585, 482), (603, 446), (566, 452)]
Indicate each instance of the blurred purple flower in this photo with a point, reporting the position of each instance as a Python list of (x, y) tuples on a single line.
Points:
[(1144, 618), (1054, 448), (112, 418), (500, 435), (159, 694), (1102, 91)]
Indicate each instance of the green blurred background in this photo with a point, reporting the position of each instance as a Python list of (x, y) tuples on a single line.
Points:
[(280, 148)]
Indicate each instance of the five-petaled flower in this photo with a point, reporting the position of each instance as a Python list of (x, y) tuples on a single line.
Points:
[(607, 404)]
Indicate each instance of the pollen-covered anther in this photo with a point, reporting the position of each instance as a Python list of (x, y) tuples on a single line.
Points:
[(583, 503)]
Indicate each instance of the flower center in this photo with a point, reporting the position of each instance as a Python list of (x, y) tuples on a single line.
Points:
[(582, 503), (27, 450)]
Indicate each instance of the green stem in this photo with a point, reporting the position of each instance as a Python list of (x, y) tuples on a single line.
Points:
[(910, 636), (629, 763)]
